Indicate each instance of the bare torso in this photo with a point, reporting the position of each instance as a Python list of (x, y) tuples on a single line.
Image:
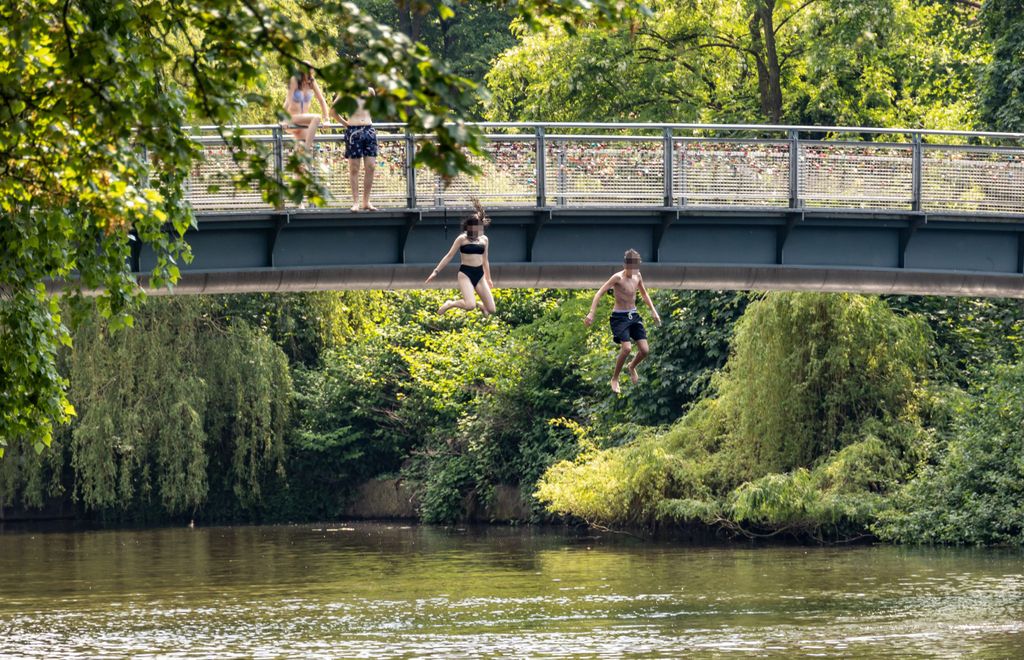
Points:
[(625, 291), (361, 117)]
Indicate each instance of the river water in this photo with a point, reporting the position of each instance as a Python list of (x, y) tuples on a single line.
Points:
[(373, 590)]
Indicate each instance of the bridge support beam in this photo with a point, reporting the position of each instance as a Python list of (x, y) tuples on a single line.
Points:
[(540, 218), (280, 222), (1020, 253), (784, 231), (280, 250), (668, 218), (413, 218), (576, 276), (907, 234)]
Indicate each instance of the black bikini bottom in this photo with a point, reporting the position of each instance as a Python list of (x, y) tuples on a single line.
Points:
[(474, 273)]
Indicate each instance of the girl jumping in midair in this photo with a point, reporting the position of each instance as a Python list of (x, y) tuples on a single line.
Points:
[(475, 272)]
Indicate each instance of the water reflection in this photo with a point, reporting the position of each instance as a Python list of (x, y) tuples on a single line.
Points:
[(373, 590)]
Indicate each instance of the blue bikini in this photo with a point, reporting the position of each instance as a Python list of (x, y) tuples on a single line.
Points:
[(303, 98)]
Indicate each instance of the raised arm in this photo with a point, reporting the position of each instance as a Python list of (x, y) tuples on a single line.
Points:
[(448, 257), (334, 113), (320, 97), (647, 299), (612, 281)]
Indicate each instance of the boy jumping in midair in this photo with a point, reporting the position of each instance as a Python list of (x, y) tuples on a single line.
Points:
[(626, 324)]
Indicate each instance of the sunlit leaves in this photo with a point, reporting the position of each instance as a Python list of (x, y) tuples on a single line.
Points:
[(814, 416), (1003, 79), (831, 62), (93, 100), (974, 492)]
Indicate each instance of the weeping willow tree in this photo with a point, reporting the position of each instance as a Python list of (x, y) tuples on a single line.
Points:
[(183, 405), (815, 417), (808, 371)]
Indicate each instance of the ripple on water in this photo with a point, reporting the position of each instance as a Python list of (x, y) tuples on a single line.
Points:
[(254, 592)]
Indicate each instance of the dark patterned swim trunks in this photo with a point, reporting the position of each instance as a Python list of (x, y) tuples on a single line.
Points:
[(627, 326), (360, 142)]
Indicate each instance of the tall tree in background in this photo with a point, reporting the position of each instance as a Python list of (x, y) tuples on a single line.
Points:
[(465, 36), (859, 62), (1003, 80)]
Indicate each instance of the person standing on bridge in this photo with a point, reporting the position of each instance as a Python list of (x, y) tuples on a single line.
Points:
[(360, 148), (298, 103), (627, 326), (475, 271)]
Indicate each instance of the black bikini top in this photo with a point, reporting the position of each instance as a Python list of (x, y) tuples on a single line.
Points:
[(472, 248)]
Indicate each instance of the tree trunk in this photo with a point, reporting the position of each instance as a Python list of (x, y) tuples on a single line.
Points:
[(417, 25), (446, 39), (405, 16), (766, 58)]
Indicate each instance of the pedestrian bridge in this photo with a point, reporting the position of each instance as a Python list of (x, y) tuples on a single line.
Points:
[(707, 206)]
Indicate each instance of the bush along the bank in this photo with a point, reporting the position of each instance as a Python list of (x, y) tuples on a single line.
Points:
[(834, 416), (973, 493), (554, 387), (182, 416), (815, 418)]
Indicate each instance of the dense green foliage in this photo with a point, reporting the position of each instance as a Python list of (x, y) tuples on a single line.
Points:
[(834, 416), (815, 410), (829, 62), (807, 372), (96, 152), (187, 410), (457, 405), (1002, 90), (975, 492)]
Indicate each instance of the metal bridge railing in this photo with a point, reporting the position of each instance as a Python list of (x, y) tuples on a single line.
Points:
[(660, 165)]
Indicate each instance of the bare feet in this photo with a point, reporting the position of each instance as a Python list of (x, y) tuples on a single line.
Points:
[(633, 376), (615, 385), (369, 207), (444, 308), (355, 208)]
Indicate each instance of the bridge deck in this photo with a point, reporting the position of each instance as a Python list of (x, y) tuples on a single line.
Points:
[(759, 207)]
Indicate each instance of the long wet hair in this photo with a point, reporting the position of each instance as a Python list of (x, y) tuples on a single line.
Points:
[(479, 217)]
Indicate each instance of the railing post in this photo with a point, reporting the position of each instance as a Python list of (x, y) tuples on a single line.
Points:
[(683, 196), (278, 154), (560, 189), (667, 168), (541, 192), (410, 170), (794, 169), (915, 177)]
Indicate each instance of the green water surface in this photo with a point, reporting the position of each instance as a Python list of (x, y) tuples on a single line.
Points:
[(370, 590)]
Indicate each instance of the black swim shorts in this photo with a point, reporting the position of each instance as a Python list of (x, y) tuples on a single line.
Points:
[(627, 326), (360, 142)]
